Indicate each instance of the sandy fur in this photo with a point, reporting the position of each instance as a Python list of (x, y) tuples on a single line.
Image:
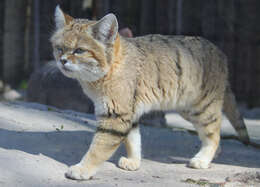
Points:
[(126, 78)]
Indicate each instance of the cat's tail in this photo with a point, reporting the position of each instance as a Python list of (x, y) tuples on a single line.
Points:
[(231, 111)]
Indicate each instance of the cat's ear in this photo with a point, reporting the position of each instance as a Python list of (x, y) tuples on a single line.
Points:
[(61, 19), (106, 29)]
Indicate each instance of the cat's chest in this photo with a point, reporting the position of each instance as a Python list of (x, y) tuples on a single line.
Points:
[(100, 101)]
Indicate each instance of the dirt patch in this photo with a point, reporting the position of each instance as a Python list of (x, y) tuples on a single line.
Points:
[(248, 178)]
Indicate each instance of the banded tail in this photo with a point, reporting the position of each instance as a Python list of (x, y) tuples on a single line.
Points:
[(231, 111)]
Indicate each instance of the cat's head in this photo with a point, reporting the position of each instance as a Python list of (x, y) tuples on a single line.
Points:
[(84, 49)]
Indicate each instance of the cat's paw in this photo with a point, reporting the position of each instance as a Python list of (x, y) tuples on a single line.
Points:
[(129, 164), (199, 163), (77, 172)]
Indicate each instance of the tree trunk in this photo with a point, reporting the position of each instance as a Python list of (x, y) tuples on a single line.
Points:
[(2, 3), (147, 17), (245, 29), (166, 13), (46, 28), (100, 8), (14, 27)]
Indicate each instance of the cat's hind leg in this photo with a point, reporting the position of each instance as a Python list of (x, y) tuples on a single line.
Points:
[(133, 149), (209, 137), (207, 124)]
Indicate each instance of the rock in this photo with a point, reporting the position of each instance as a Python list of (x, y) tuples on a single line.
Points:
[(49, 86), (12, 95), (250, 178)]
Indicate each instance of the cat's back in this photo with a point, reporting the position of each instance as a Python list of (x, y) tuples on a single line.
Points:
[(197, 64), (187, 52), (198, 48)]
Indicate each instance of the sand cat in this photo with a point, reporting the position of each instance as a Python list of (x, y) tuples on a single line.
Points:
[(127, 77)]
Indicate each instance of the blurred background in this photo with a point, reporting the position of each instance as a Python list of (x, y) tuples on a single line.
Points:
[(26, 66)]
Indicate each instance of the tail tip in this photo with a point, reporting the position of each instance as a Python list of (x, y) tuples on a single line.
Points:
[(245, 141), (243, 136)]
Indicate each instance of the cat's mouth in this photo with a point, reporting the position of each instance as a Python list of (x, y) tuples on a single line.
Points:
[(66, 69)]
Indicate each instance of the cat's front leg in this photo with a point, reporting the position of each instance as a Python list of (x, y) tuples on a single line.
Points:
[(105, 142)]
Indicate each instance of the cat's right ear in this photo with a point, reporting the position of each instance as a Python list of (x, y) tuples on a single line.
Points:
[(106, 29), (61, 19)]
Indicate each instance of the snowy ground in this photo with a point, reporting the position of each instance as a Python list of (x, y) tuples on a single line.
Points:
[(38, 143)]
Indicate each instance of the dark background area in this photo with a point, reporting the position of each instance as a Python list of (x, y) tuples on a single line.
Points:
[(233, 25)]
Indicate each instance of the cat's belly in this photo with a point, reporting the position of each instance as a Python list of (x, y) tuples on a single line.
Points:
[(176, 99)]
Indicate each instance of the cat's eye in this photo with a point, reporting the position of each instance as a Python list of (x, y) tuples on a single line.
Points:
[(79, 51), (60, 50)]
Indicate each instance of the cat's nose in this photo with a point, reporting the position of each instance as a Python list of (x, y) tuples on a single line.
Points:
[(63, 61)]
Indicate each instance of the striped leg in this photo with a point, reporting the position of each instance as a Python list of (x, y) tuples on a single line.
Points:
[(104, 144), (209, 135), (207, 122), (133, 148)]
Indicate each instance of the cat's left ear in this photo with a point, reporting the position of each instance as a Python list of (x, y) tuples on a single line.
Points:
[(106, 29), (61, 19)]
